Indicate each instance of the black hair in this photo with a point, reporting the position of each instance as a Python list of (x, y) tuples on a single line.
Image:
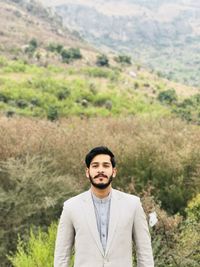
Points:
[(97, 151)]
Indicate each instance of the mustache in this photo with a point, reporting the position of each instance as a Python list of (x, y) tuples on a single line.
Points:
[(100, 175)]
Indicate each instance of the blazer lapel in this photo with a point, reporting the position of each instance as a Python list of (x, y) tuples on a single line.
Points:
[(91, 219), (114, 218)]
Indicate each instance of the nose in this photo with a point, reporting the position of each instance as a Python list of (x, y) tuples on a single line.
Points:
[(100, 170)]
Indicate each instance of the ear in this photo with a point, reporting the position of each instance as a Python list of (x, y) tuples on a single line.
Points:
[(87, 172), (114, 172)]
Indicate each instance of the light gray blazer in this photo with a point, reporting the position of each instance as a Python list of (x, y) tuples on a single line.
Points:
[(78, 228)]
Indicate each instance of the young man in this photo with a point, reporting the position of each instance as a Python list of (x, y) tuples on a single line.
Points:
[(102, 223)]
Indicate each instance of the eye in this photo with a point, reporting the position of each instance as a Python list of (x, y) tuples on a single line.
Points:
[(94, 166), (106, 166)]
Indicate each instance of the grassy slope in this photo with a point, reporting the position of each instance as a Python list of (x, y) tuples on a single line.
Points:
[(82, 89)]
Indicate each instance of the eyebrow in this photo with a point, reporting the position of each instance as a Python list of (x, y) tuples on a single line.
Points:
[(105, 162)]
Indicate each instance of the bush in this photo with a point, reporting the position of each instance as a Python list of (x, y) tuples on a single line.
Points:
[(193, 209), (55, 48), (168, 96), (32, 46), (3, 97), (52, 113), (101, 73), (102, 61), (189, 109), (63, 94), (124, 59), (28, 197), (21, 103), (187, 249), (38, 251), (70, 54)]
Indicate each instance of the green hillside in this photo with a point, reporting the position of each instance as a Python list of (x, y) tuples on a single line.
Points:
[(89, 90)]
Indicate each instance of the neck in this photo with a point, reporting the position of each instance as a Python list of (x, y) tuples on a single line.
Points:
[(101, 193)]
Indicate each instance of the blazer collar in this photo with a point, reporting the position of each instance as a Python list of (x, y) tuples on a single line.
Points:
[(91, 219)]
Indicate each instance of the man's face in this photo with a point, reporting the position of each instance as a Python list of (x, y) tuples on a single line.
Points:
[(101, 171)]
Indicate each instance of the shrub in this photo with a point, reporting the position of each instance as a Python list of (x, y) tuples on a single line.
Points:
[(35, 101), (32, 46), (70, 54), (187, 249), (30, 195), (189, 109), (193, 209), (3, 97), (21, 103), (38, 251), (168, 96), (63, 94), (75, 53), (124, 59), (52, 113), (102, 61), (55, 48), (33, 42)]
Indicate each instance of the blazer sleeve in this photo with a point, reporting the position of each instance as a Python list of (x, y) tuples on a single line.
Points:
[(142, 238), (64, 239)]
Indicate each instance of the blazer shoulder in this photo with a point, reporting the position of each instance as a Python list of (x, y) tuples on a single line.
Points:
[(126, 196), (75, 200)]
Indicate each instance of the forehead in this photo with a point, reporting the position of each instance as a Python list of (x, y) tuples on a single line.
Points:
[(101, 158)]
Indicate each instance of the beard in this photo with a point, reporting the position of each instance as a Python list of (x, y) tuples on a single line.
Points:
[(100, 185)]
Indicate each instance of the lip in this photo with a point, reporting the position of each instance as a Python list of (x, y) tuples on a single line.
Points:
[(100, 177)]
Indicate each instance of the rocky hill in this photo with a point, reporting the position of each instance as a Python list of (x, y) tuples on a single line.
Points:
[(27, 23), (163, 35)]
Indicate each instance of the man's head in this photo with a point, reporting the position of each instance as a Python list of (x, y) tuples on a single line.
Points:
[(100, 162)]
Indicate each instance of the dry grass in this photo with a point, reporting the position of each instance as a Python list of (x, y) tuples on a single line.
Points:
[(163, 142)]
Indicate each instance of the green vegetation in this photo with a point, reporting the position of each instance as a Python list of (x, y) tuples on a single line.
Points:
[(32, 46), (123, 59), (168, 96), (102, 61), (39, 251), (54, 92), (67, 55), (70, 54), (53, 47), (189, 109)]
